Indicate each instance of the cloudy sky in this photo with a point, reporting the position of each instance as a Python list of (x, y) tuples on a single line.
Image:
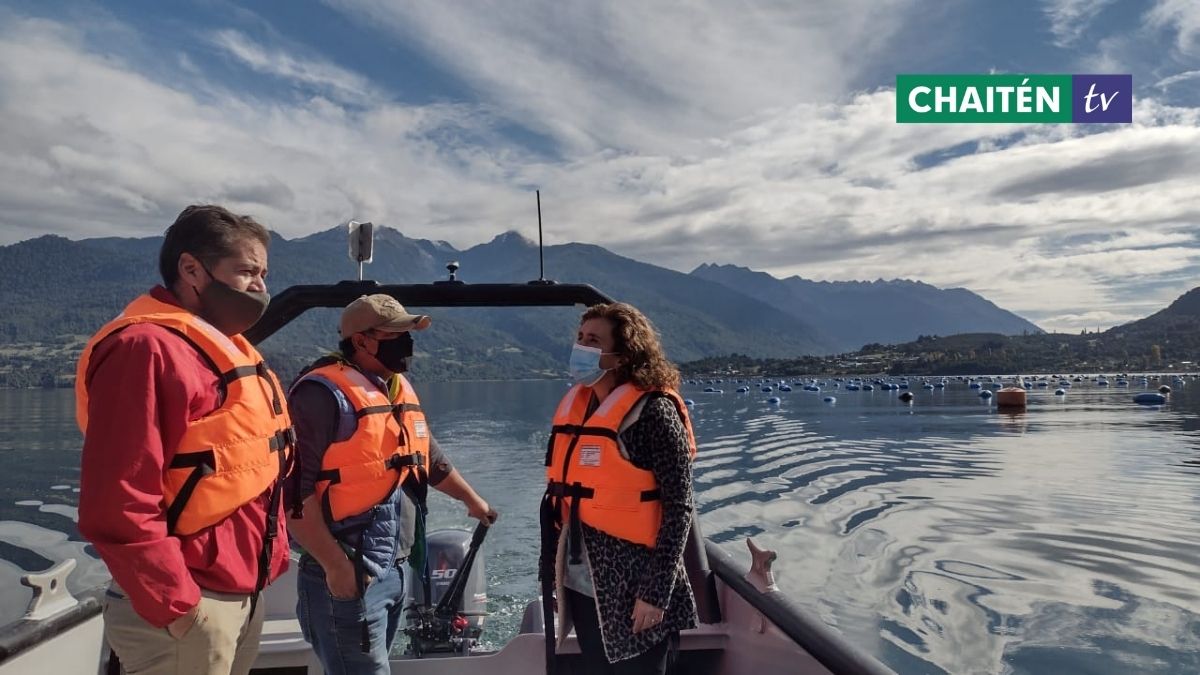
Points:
[(754, 133)]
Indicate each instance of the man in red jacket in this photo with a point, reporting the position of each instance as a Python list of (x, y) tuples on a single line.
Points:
[(185, 446)]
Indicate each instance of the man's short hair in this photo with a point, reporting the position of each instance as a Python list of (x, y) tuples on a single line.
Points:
[(209, 233)]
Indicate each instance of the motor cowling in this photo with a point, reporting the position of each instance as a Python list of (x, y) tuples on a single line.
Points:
[(458, 628)]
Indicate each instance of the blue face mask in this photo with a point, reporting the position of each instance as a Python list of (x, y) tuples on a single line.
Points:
[(585, 365)]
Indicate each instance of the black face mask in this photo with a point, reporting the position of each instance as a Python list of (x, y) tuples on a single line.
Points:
[(394, 353), (229, 310)]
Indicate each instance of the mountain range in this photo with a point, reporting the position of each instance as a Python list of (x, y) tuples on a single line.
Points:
[(56, 292), (1167, 339), (854, 313)]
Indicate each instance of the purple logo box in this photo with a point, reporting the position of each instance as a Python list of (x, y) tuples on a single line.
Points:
[(1104, 99)]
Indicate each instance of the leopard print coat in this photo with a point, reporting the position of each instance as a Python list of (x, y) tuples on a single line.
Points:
[(622, 571)]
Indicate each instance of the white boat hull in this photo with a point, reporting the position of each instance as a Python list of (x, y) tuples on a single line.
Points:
[(759, 633)]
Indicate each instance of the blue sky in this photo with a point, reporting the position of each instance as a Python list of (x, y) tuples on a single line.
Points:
[(760, 134)]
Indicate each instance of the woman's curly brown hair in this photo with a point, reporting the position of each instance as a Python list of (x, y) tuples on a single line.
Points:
[(635, 338)]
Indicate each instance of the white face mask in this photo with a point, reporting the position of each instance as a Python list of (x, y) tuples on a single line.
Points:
[(584, 365)]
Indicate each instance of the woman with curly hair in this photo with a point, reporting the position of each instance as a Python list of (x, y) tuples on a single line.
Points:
[(618, 502)]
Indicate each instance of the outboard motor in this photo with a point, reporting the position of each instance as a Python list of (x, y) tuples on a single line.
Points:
[(449, 619)]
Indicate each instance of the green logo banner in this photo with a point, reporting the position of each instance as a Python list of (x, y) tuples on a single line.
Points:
[(983, 98)]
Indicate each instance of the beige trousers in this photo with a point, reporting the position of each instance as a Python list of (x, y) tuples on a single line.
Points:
[(223, 641)]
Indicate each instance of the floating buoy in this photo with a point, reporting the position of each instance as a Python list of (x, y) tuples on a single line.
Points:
[(1060, 392), (1164, 389), (906, 396), (1150, 398), (985, 394), (1010, 397), (830, 399)]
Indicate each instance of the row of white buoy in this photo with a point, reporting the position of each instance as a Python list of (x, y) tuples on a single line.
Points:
[(948, 378), (1012, 396)]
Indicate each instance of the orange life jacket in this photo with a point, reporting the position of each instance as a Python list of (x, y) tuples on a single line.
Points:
[(229, 457), (390, 444), (586, 470)]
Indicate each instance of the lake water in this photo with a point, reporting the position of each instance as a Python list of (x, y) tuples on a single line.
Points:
[(941, 537)]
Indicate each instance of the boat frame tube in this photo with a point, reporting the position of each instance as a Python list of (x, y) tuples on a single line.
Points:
[(295, 300)]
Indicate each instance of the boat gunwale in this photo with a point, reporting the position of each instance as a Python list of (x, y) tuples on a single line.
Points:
[(23, 634), (823, 643)]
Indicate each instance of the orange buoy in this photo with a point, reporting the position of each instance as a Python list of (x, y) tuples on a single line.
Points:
[(1010, 397)]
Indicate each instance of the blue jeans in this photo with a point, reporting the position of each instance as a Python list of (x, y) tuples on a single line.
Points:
[(334, 627)]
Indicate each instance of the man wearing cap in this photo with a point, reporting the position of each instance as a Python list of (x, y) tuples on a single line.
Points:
[(365, 459)]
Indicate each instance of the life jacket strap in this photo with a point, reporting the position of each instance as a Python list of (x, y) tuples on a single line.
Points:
[(583, 430), (575, 532), (238, 373), (284, 439), (257, 370), (575, 431), (402, 461), (202, 464), (576, 492), (373, 410)]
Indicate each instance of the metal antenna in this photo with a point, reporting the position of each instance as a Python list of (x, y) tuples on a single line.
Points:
[(541, 262)]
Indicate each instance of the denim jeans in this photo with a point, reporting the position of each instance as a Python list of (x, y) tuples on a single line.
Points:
[(334, 627)]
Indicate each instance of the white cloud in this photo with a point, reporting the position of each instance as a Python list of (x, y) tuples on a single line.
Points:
[(318, 74), (1053, 221), (1182, 16), (1069, 19), (1139, 240), (104, 148), (647, 77), (1177, 78)]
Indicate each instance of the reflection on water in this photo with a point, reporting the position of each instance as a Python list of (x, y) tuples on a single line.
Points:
[(941, 536), (944, 533)]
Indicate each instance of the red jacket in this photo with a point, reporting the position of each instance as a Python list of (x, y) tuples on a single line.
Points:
[(145, 385)]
